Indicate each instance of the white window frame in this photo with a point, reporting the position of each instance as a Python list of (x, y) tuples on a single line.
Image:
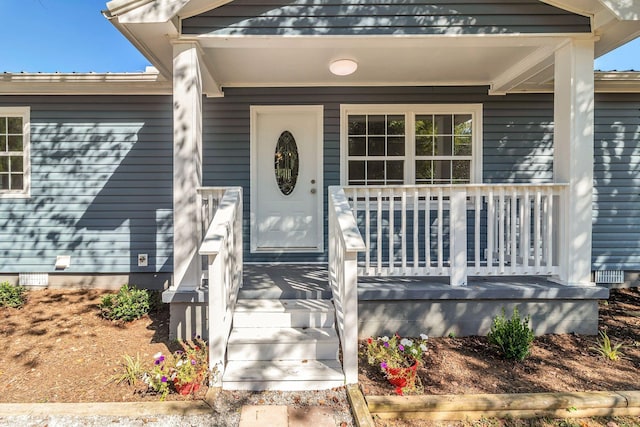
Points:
[(410, 111), (25, 113)]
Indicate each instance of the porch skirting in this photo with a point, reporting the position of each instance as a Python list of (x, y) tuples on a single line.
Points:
[(429, 305)]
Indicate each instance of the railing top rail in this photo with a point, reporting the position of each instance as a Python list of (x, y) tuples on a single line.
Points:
[(350, 234), (204, 190), (453, 186), (221, 224)]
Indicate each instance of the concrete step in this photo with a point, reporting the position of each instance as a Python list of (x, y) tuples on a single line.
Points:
[(282, 344), (284, 313), (283, 375)]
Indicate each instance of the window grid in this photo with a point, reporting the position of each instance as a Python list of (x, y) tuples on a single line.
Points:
[(376, 145), (12, 167)]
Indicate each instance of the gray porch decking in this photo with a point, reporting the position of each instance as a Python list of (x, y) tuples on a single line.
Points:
[(415, 305)]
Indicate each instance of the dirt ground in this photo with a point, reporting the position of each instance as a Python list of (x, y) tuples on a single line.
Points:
[(57, 349), (563, 362)]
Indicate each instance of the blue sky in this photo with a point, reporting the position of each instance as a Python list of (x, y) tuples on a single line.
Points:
[(72, 35)]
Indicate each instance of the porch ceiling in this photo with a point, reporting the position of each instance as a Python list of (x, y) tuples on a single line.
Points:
[(305, 61)]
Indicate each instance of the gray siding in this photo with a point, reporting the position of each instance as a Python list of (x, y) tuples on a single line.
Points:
[(101, 186), (616, 204), (357, 17), (518, 133)]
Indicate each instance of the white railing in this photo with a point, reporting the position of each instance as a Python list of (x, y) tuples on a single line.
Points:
[(345, 242), (458, 230), (222, 245)]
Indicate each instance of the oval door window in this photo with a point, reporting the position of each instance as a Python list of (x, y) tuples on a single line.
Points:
[(286, 163)]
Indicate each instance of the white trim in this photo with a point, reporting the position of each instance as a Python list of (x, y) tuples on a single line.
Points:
[(253, 167), (147, 83), (412, 110), (25, 113)]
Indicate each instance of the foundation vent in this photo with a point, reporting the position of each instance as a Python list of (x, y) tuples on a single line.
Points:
[(609, 276), (33, 279)]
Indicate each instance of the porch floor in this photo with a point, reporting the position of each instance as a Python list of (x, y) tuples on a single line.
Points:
[(310, 281)]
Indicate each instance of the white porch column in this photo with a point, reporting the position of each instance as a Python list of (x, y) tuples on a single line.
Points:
[(573, 157), (187, 164)]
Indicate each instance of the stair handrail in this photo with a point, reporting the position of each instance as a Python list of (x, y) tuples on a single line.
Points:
[(222, 245), (345, 241)]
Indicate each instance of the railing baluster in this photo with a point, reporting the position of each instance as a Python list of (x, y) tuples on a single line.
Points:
[(379, 236), (367, 229), (549, 254), (439, 218), (427, 229), (514, 231), (391, 230), (537, 236), (416, 216), (491, 233), (501, 231), (403, 230), (525, 230), (476, 234)]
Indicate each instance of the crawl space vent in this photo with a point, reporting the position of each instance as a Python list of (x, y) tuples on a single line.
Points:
[(33, 279), (609, 276)]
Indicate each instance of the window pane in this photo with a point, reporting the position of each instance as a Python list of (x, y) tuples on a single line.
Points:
[(377, 125), (424, 171), (395, 125), (358, 146), (357, 125), (462, 146), (15, 125), (462, 123), (443, 146), (3, 143), (395, 146), (4, 181), (356, 172), (442, 171), (375, 171), (4, 164), (424, 145), (443, 125), (395, 172), (15, 142), (3, 125), (424, 125), (376, 146), (16, 164), (461, 171), (16, 181)]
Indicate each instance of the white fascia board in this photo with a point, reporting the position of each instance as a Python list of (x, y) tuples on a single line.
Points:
[(155, 11), (540, 59), (624, 10), (84, 84), (579, 8)]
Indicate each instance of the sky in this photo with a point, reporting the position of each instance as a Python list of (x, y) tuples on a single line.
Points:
[(72, 35)]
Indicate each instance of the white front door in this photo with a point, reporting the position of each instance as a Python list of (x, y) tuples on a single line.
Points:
[(286, 196)]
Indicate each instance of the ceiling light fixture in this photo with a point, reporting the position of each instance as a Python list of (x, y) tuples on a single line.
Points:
[(343, 67)]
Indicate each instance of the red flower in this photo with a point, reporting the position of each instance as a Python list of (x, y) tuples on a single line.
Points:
[(399, 391), (369, 340)]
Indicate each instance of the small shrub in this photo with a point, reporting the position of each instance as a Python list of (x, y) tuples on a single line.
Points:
[(512, 336), (132, 370), (12, 296), (606, 350), (128, 304)]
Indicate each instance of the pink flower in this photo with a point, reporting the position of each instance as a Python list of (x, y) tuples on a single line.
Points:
[(383, 365), (401, 347)]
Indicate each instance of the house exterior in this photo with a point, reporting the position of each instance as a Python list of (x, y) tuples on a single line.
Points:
[(472, 143)]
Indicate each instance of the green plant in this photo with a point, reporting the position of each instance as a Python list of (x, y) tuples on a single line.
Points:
[(12, 296), (128, 304), (396, 357), (187, 366), (513, 337), (191, 363), (606, 349), (452, 334), (132, 370), (159, 376)]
